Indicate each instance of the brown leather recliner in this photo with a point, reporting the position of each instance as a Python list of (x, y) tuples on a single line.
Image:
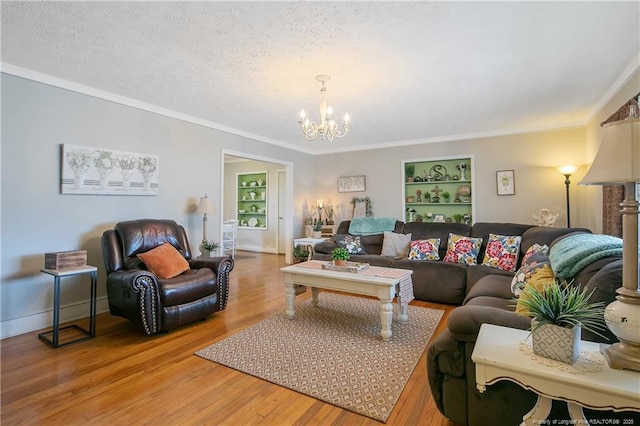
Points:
[(155, 305)]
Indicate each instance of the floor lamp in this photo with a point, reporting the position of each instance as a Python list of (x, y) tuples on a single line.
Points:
[(205, 206), (567, 171), (618, 163)]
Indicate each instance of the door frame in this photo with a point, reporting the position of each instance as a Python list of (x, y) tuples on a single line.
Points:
[(287, 214)]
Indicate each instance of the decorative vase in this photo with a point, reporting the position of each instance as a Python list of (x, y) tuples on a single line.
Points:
[(205, 253), (555, 342), (317, 234), (340, 262)]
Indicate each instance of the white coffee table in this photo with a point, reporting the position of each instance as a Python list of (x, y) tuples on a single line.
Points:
[(383, 283), (497, 356)]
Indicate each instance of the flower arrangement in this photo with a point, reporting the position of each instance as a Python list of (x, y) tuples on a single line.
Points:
[(147, 165), (105, 161), (79, 160), (127, 162)]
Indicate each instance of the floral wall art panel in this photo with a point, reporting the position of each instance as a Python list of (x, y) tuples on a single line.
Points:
[(87, 170)]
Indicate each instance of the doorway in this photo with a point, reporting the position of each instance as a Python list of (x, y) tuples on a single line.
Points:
[(279, 233)]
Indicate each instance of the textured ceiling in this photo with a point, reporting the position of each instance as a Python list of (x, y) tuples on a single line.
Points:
[(404, 71)]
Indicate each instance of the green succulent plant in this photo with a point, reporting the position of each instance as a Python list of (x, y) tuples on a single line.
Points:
[(209, 245), (317, 226), (340, 253)]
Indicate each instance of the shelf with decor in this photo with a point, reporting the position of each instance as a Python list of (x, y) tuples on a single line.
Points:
[(251, 201), (438, 189)]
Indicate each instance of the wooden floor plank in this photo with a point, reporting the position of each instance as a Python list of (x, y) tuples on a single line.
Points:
[(125, 378)]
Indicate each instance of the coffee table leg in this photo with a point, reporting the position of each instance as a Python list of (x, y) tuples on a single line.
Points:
[(290, 294), (386, 317), (403, 315), (314, 296)]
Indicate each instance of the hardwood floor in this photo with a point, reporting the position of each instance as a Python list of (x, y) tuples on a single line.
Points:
[(123, 377)]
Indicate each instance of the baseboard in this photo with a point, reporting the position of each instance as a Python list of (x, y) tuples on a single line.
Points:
[(259, 249), (42, 320)]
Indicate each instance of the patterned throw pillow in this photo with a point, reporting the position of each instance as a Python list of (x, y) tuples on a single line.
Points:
[(527, 270), (461, 249), (425, 249), (535, 248), (352, 243), (538, 279), (502, 252)]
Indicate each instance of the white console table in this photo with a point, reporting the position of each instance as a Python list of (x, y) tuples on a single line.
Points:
[(497, 356)]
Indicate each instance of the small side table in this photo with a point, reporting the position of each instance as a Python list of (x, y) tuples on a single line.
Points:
[(309, 242), (497, 356), (88, 334)]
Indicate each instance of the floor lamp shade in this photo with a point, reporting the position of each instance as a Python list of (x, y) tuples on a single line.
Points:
[(618, 163)]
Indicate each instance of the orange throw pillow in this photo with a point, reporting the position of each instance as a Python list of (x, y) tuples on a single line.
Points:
[(164, 261)]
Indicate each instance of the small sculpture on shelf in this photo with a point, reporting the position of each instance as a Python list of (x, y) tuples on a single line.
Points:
[(418, 196), (436, 194), (463, 168)]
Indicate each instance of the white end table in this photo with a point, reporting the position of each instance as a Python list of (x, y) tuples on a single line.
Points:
[(55, 332), (497, 356)]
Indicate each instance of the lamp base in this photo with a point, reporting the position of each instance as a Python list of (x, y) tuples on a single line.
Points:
[(622, 355), (623, 319)]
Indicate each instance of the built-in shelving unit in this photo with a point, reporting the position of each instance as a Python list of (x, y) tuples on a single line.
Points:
[(438, 189), (251, 211)]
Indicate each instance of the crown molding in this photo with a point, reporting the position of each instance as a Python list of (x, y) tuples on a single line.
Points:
[(108, 96)]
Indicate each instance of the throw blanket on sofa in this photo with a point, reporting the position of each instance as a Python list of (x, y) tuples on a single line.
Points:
[(569, 255), (371, 225)]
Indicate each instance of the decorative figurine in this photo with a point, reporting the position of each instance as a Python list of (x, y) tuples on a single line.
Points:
[(462, 167)]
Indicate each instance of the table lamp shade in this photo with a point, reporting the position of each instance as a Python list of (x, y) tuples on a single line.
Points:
[(618, 159)]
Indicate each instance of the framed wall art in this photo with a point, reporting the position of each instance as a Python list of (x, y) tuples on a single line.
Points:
[(439, 218), (351, 184), (505, 182), (87, 170)]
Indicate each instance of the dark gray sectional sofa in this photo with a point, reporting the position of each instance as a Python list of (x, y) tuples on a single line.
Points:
[(486, 297), (436, 280)]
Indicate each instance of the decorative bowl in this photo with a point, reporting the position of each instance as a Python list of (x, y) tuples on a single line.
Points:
[(253, 183), (242, 211), (244, 183)]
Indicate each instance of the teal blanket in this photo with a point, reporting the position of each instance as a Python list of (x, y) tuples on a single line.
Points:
[(569, 255), (371, 225)]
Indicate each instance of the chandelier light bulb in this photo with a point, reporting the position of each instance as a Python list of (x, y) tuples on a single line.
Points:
[(303, 114), (346, 118)]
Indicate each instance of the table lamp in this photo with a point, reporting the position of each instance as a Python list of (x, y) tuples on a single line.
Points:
[(618, 163)]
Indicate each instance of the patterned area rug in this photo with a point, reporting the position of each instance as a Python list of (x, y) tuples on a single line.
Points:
[(333, 352)]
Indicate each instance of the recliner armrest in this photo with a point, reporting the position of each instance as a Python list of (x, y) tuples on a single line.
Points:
[(221, 266), (325, 247), (464, 322)]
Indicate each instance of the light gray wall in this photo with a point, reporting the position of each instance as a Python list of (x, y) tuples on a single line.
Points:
[(532, 156), (36, 218)]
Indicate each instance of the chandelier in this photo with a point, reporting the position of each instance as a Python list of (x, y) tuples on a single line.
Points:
[(327, 126)]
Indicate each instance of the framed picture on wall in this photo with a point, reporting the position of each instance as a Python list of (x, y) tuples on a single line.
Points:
[(351, 184), (505, 182)]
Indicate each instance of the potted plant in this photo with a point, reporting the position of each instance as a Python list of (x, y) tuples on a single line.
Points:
[(206, 247), (300, 254), (410, 171), (340, 255), (558, 314), (317, 229), (446, 196)]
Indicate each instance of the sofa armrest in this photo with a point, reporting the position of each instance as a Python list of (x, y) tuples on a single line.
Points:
[(221, 267), (445, 357), (464, 322), (325, 247)]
